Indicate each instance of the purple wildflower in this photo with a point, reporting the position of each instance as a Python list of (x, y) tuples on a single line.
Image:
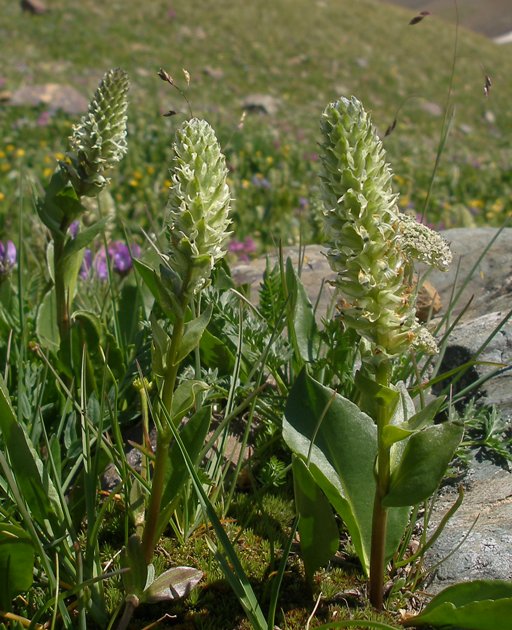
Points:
[(7, 257), (120, 257), (74, 228), (85, 269), (44, 118), (242, 249), (261, 182)]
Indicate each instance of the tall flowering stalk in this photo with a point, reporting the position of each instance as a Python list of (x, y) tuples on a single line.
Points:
[(97, 144), (372, 247), (197, 229)]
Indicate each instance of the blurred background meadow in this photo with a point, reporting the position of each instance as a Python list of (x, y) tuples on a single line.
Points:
[(278, 63)]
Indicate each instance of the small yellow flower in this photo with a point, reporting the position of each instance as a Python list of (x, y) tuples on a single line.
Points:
[(137, 175), (2, 155), (10, 148), (404, 201), (400, 181), (5, 167), (476, 203), (269, 160), (133, 183), (59, 155), (20, 152), (150, 170), (48, 159), (258, 154), (167, 183), (2, 196), (47, 172), (245, 183)]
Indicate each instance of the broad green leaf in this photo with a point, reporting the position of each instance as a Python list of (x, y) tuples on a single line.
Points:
[(319, 535), (36, 488), (423, 463), (171, 585), (475, 605), (46, 322), (193, 332), (193, 436), (395, 432), (303, 316), (184, 398), (342, 458), (16, 563)]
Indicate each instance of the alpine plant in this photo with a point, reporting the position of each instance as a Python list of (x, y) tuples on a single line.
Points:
[(98, 141), (198, 207), (372, 244)]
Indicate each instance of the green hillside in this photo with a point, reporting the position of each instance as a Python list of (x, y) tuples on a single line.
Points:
[(304, 53)]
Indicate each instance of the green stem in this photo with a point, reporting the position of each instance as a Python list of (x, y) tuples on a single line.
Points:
[(380, 515), (163, 442), (60, 288)]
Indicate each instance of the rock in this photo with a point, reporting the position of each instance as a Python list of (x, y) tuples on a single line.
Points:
[(214, 73), (483, 524), (54, 95), (464, 345), (261, 104), (431, 108), (35, 7)]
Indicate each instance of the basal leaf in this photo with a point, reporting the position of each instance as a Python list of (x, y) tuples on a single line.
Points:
[(475, 605), (319, 535), (341, 442)]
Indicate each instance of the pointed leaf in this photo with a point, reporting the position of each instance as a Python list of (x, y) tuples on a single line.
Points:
[(319, 535), (193, 332), (36, 488), (395, 432), (46, 322), (184, 398), (84, 237), (476, 605), (172, 584), (303, 316), (423, 464)]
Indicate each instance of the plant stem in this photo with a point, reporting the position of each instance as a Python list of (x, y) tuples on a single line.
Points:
[(61, 298), (380, 515), (163, 441)]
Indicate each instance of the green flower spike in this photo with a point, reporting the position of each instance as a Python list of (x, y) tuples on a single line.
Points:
[(98, 142), (198, 207), (371, 243)]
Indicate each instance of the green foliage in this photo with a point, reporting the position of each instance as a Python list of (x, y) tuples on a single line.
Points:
[(476, 605)]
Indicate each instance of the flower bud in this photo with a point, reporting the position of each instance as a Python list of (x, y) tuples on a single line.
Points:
[(198, 206), (99, 139)]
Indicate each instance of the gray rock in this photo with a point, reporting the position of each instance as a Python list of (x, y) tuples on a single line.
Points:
[(431, 108), (54, 95), (261, 104), (482, 527)]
